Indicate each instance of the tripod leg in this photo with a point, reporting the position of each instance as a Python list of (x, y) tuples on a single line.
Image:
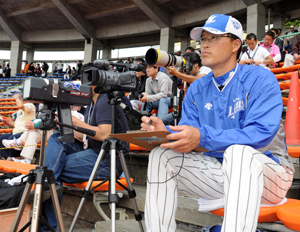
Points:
[(88, 186), (113, 197), (131, 191), (36, 207), (21, 207), (56, 205)]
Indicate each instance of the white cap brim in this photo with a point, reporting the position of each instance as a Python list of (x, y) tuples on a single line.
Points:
[(197, 32)]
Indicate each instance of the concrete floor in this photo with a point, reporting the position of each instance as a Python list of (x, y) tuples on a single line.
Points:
[(80, 226)]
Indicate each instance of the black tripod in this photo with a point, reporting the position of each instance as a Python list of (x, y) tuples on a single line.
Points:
[(41, 172), (112, 145)]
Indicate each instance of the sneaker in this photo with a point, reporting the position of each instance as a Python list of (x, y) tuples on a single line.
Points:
[(12, 143)]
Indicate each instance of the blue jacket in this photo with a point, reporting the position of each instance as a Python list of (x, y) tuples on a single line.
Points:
[(247, 111)]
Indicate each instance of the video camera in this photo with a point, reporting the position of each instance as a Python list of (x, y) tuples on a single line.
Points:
[(99, 74), (160, 58), (57, 95)]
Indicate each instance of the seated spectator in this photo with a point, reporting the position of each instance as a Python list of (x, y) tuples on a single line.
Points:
[(291, 58), (43, 74), (271, 48), (79, 66), (70, 162), (74, 74), (128, 61), (278, 41), (59, 67), (31, 69), (189, 49), (255, 55), (37, 70), (45, 67), (134, 96), (158, 91), (197, 71), (68, 72), (26, 66), (6, 72), (26, 112), (292, 41), (31, 137), (288, 38)]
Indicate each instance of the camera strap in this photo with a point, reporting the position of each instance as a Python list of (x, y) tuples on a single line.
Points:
[(84, 139), (248, 53)]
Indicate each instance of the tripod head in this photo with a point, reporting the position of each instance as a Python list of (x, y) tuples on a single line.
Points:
[(47, 116)]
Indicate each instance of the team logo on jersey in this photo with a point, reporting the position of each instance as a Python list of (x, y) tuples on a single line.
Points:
[(208, 105), (237, 106), (211, 19)]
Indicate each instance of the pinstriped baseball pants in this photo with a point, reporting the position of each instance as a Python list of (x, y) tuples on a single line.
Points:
[(245, 179)]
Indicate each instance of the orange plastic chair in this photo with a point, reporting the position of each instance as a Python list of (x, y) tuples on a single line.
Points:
[(285, 101), (294, 67), (290, 216), (266, 214), (103, 187), (283, 76), (294, 151), (134, 147), (281, 70)]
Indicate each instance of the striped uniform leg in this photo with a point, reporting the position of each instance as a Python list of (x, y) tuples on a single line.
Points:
[(250, 178), (193, 173)]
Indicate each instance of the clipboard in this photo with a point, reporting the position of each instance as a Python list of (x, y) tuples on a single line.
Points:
[(147, 139)]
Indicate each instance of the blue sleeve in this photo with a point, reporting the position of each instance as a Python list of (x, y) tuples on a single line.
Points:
[(263, 112)]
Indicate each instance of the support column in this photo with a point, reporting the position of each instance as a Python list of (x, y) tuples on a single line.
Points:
[(16, 56), (90, 50), (279, 22), (256, 19), (29, 55), (106, 53), (185, 42), (53, 66), (167, 39)]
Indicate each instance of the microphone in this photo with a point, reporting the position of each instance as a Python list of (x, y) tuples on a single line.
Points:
[(135, 67), (101, 63)]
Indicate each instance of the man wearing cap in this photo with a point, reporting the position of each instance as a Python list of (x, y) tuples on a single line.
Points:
[(233, 113), (290, 59)]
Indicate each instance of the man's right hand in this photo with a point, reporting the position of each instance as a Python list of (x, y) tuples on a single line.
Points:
[(249, 61), (156, 125), (296, 56)]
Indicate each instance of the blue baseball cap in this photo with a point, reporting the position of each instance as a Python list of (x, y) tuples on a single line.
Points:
[(219, 24)]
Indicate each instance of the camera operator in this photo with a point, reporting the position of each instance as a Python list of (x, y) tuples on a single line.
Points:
[(136, 95), (70, 162), (158, 91), (255, 55), (197, 72)]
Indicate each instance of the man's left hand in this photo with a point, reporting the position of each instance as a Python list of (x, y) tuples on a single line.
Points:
[(172, 70), (187, 139)]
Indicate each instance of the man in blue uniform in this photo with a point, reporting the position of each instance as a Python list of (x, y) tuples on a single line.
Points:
[(234, 113)]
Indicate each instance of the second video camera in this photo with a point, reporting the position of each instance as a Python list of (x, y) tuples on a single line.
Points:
[(99, 74)]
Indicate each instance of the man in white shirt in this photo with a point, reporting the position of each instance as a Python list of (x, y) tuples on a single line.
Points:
[(157, 91), (255, 55)]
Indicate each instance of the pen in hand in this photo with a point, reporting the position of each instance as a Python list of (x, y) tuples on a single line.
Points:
[(150, 122)]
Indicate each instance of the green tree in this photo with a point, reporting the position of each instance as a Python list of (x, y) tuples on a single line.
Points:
[(294, 22)]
